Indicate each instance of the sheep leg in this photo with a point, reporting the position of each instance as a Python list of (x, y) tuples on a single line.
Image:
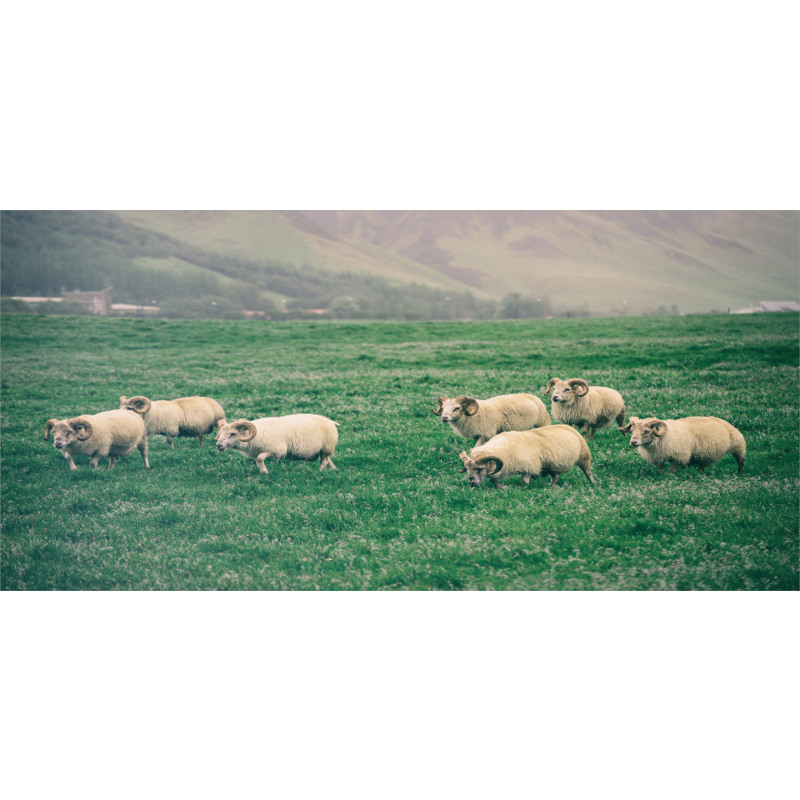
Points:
[(94, 462), (588, 473), (740, 461), (526, 479), (111, 461), (673, 468), (260, 458), (588, 432), (169, 441), (554, 479), (200, 439), (325, 462), (495, 483), (72, 465), (143, 451)]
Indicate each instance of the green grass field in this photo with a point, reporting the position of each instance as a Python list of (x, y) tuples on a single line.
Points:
[(397, 514)]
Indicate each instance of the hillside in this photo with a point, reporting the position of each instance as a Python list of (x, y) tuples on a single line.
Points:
[(607, 262)]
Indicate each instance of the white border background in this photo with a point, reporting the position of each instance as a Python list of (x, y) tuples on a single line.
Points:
[(434, 105)]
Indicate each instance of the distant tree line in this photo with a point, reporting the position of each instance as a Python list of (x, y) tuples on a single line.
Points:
[(43, 252)]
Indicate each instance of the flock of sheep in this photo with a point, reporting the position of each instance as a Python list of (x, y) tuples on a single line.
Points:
[(513, 433)]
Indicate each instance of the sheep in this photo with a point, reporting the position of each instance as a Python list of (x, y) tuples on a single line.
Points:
[(542, 451), (110, 434), (483, 419), (577, 403), (302, 437), (184, 416), (690, 441)]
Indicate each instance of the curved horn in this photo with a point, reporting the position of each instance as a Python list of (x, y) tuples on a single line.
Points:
[(141, 405), (79, 423), (469, 405), (577, 383), (659, 427), (551, 384), (221, 422), (438, 409), (627, 427), (498, 464), (48, 426), (243, 425), (464, 458)]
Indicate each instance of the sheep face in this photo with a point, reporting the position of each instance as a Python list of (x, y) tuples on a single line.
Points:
[(567, 392), (66, 432), (644, 431), (231, 435), (478, 471), (450, 409)]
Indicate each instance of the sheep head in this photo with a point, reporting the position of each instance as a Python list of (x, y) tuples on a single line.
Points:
[(139, 404), (567, 391), (450, 409), (67, 431), (643, 431), (480, 468), (232, 434)]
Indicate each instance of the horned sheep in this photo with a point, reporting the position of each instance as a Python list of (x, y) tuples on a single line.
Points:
[(690, 441), (542, 451), (184, 416), (303, 437), (483, 419), (109, 434), (576, 403)]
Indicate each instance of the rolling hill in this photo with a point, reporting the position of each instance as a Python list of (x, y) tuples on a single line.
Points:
[(607, 262)]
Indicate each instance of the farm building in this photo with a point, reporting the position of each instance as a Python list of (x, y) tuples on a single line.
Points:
[(97, 302)]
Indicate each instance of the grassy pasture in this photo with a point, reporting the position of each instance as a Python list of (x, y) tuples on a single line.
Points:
[(396, 514)]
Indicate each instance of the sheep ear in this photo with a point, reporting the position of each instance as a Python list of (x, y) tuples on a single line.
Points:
[(469, 405), (552, 382), (659, 428), (438, 409)]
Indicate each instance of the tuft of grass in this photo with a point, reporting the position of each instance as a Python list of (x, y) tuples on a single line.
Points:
[(397, 514)]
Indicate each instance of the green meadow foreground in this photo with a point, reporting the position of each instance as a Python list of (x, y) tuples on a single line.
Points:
[(397, 514)]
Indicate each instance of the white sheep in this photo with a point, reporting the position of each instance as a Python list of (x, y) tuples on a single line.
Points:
[(542, 451), (482, 419), (184, 416), (691, 441), (109, 434), (577, 403), (303, 437)]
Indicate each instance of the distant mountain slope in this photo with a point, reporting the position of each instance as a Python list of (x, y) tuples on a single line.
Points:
[(608, 262)]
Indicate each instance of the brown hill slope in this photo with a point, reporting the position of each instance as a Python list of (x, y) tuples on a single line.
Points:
[(609, 262)]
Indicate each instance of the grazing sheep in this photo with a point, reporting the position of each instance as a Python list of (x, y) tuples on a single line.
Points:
[(302, 437), (543, 451), (110, 434), (184, 416), (577, 403), (691, 441), (482, 419)]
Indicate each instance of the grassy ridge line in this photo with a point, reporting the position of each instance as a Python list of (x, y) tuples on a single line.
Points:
[(396, 514)]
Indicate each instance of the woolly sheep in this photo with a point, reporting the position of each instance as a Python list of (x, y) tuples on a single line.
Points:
[(691, 441), (109, 434), (184, 416), (482, 419), (543, 451), (303, 437), (577, 403)]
